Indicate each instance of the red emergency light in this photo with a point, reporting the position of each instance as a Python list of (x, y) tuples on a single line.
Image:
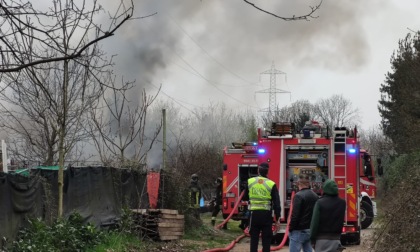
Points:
[(349, 229)]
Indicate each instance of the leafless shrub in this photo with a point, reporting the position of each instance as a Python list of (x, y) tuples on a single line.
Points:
[(400, 219)]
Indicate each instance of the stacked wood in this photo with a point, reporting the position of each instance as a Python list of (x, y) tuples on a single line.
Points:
[(160, 224)]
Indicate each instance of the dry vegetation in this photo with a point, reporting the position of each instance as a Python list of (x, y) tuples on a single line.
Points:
[(399, 206)]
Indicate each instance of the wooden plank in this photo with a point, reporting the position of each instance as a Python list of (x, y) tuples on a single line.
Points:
[(168, 211), (171, 229), (170, 221), (153, 211), (172, 216), (170, 233), (170, 237), (170, 224), (164, 212)]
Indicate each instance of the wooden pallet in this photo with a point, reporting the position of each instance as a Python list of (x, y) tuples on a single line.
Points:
[(160, 224)]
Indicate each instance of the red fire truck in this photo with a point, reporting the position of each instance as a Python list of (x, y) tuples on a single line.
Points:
[(240, 162), (313, 151)]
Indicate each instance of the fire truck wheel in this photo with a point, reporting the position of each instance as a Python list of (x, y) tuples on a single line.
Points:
[(366, 214)]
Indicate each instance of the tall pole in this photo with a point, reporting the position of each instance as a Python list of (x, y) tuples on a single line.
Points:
[(164, 139), (164, 169)]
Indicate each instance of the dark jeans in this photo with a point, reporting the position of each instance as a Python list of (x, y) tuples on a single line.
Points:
[(261, 221), (300, 239)]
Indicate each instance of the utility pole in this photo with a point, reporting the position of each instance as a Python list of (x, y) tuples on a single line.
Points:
[(164, 169), (273, 91), (164, 139)]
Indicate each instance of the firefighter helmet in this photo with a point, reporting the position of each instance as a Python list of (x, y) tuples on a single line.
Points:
[(194, 177)]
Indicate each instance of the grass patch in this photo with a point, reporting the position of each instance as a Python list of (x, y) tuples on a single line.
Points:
[(206, 237), (119, 242), (195, 239), (73, 235)]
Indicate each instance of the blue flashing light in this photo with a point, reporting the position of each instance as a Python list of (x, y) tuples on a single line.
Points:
[(352, 150), (261, 151)]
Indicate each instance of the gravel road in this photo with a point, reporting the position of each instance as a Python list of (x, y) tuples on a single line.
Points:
[(367, 234)]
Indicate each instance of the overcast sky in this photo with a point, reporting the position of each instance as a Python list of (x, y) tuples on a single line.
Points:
[(214, 50)]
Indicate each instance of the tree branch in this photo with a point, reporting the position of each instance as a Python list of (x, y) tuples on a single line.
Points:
[(303, 17)]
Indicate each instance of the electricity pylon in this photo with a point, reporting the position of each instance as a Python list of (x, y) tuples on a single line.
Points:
[(273, 90)]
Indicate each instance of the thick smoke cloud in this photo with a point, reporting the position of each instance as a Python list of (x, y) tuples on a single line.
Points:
[(213, 50), (172, 45)]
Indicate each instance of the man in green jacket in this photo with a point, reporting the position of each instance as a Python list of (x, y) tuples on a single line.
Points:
[(328, 219)]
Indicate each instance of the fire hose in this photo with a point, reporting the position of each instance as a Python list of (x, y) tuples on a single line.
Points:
[(286, 234), (232, 244), (231, 213)]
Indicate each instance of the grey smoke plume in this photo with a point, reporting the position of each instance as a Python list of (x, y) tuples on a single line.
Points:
[(213, 50), (240, 37)]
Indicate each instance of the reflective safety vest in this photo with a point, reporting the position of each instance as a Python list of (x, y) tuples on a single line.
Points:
[(195, 194), (259, 189)]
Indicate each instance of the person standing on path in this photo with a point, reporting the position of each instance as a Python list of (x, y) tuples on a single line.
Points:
[(263, 198), (300, 222), (328, 219), (217, 201), (195, 196)]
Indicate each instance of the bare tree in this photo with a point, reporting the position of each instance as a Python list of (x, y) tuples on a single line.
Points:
[(217, 125), (377, 143), (66, 33), (298, 112), (53, 100), (336, 111), (306, 16), (119, 127), (196, 140), (31, 36), (32, 108)]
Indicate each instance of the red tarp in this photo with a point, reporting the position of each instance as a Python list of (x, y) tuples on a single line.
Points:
[(153, 180)]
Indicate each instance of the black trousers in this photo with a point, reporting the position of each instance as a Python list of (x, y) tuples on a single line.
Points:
[(216, 210), (261, 222)]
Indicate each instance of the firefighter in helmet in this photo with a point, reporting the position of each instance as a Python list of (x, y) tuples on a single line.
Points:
[(195, 195), (217, 201)]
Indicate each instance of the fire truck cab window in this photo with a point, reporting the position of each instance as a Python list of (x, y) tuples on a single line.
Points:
[(367, 165), (246, 172)]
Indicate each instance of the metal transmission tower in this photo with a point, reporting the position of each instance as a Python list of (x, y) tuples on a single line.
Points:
[(272, 90)]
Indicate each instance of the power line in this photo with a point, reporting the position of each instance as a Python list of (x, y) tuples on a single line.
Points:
[(210, 82), (205, 51), (177, 101), (197, 73), (216, 83)]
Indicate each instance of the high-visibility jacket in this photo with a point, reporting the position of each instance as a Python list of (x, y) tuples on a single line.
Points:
[(195, 195), (259, 189)]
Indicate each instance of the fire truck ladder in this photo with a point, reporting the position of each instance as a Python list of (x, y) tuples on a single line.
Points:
[(340, 161)]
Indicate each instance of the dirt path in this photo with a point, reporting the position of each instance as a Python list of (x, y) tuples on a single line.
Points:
[(367, 234)]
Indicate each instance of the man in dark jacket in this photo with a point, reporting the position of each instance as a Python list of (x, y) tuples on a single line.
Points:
[(300, 222), (264, 198), (328, 219)]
